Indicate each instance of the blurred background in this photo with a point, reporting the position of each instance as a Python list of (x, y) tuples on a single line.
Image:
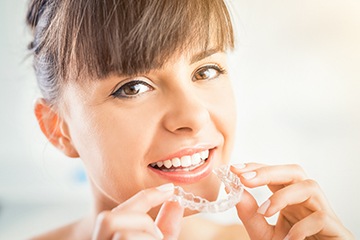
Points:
[(296, 74)]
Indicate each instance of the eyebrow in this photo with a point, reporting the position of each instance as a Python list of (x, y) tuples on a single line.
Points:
[(204, 54)]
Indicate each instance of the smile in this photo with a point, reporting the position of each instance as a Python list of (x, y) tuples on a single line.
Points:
[(184, 163), (185, 167)]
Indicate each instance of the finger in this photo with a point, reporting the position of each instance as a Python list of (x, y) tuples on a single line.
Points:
[(117, 236), (272, 175), (169, 219), (318, 223), (255, 223), (108, 223), (246, 167), (134, 235), (306, 192), (146, 199)]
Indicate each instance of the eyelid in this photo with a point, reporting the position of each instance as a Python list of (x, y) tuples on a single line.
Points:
[(209, 65), (134, 80), (215, 66)]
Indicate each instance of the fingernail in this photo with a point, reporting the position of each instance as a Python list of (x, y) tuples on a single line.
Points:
[(117, 236), (166, 187), (239, 165), (287, 237), (248, 175), (264, 207), (159, 233)]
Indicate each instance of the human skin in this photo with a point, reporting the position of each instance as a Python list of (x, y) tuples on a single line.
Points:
[(304, 212), (184, 107), (117, 138)]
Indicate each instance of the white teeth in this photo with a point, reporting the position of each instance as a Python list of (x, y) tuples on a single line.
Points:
[(204, 154), (188, 162), (195, 159), (168, 164), (176, 162)]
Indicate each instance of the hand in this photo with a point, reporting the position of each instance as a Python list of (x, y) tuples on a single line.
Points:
[(130, 221), (303, 209)]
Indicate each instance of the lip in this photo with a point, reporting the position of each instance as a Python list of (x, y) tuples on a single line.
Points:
[(188, 177)]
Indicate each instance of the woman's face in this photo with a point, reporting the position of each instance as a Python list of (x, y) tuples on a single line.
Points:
[(173, 124)]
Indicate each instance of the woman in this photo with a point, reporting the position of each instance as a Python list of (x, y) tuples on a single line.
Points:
[(139, 91)]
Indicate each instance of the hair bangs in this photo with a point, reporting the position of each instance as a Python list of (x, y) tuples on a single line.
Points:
[(132, 37)]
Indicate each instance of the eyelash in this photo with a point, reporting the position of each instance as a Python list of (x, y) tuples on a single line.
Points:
[(118, 93), (219, 69)]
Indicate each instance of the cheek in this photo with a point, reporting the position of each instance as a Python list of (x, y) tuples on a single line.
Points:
[(229, 109), (225, 108), (110, 147), (223, 100)]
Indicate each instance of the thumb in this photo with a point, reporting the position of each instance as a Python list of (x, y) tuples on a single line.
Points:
[(255, 223), (169, 219)]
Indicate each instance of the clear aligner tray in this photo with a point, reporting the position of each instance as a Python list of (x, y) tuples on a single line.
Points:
[(232, 184)]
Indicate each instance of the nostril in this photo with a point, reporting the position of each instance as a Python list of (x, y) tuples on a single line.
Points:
[(184, 129), (186, 116)]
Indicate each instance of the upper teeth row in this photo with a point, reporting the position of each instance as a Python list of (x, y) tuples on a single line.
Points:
[(184, 161)]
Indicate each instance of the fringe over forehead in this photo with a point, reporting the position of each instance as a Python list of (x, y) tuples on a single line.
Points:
[(95, 38)]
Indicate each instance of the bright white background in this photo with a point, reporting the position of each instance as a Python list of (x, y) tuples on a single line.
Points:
[(297, 79)]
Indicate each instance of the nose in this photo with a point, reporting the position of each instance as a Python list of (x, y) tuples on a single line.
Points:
[(186, 114)]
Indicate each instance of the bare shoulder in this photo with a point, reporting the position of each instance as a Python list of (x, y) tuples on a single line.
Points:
[(69, 231), (195, 227)]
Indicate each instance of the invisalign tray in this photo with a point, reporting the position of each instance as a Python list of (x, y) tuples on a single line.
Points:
[(232, 184)]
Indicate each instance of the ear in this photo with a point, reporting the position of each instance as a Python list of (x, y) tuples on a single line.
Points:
[(54, 128)]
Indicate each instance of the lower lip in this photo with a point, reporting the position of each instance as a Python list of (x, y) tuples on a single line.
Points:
[(187, 177)]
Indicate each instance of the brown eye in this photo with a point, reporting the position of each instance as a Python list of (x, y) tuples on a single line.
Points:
[(132, 89), (208, 72)]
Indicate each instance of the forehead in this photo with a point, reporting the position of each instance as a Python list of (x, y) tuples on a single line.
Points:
[(189, 59), (193, 56), (93, 92), (150, 37), (188, 56)]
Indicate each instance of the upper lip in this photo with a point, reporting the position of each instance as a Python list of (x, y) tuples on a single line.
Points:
[(185, 151)]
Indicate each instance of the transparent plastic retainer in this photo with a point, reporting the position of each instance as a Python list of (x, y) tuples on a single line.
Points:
[(232, 184)]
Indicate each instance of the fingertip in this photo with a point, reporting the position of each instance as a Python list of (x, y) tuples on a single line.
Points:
[(158, 232), (117, 236), (247, 172), (264, 207), (173, 205), (247, 205), (248, 166), (147, 199), (238, 166), (249, 175), (167, 187), (169, 219), (255, 223)]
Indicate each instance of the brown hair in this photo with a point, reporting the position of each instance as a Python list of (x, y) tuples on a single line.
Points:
[(95, 38)]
